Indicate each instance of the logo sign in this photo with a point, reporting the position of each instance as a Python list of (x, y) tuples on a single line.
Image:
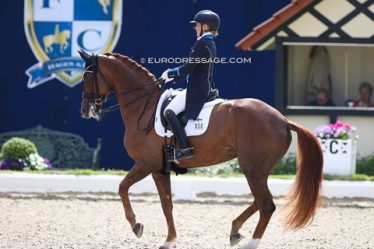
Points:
[(336, 147), (56, 29), (339, 156)]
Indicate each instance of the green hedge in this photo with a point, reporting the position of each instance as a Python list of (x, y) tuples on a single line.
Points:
[(365, 165), (285, 166)]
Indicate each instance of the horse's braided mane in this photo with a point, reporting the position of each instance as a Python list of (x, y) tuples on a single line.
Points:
[(128, 61)]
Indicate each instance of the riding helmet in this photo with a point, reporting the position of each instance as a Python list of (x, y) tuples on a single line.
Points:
[(208, 17)]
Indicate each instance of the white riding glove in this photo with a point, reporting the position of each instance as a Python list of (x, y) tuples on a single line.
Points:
[(165, 76)]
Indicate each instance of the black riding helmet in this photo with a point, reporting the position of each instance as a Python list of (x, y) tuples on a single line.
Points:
[(208, 17)]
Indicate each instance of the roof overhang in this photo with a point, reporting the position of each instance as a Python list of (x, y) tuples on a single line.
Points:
[(323, 20)]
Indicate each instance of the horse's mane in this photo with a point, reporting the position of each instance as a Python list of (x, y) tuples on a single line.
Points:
[(131, 62)]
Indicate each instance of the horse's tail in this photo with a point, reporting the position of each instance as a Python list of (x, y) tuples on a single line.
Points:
[(304, 197)]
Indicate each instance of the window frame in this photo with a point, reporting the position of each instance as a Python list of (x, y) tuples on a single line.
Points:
[(282, 83)]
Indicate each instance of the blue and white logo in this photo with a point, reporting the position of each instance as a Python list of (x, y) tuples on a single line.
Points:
[(56, 29)]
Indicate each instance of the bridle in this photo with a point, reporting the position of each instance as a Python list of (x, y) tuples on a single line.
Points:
[(95, 98)]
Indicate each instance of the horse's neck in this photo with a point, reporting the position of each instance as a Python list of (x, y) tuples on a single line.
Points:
[(133, 92)]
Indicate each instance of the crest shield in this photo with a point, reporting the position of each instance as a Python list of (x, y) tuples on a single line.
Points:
[(57, 29)]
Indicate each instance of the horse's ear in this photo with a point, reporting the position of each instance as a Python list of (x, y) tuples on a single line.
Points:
[(86, 57)]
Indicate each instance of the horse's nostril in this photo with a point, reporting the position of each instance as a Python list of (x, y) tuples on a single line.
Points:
[(84, 110)]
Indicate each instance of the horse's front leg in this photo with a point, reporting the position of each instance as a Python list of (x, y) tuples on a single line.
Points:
[(164, 191), (49, 49), (63, 47), (137, 173)]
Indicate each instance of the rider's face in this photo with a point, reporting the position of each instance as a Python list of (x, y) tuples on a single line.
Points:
[(198, 29), (199, 26)]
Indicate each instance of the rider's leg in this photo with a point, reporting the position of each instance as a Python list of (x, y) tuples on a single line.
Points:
[(176, 106)]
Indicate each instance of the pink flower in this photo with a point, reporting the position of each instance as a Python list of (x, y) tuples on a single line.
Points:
[(339, 130)]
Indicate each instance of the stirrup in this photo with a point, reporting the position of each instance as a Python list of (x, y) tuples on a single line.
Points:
[(180, 155)]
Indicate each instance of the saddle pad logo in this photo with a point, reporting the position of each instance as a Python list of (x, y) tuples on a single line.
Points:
[(57, 29)]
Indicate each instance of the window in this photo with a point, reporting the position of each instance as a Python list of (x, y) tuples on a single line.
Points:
[(338, 69)]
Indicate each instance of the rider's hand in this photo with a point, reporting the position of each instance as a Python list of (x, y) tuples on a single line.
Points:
[(165, 76)]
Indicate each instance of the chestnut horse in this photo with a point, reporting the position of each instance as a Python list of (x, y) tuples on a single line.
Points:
[(249, 129)]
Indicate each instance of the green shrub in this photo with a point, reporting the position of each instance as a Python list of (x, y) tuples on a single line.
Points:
[(285, 166), (365, 165), (223, 169), (17, 148)]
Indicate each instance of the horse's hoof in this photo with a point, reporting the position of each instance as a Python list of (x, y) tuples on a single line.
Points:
[(138, 230), (235, 238), (166, 245)]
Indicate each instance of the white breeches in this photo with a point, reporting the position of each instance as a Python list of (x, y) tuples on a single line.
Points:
[(178, 104)]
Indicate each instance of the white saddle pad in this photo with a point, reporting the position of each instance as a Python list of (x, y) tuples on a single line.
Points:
[(193, 127)]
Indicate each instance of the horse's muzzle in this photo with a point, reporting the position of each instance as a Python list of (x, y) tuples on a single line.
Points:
[(85, 108)]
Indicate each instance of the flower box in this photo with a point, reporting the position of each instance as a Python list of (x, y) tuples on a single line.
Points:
[(339, 156), (339, 146)]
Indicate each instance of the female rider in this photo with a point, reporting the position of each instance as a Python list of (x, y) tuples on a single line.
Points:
[(199, 72)]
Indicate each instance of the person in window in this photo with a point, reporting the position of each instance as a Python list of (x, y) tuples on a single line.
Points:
[(322, 98), (319, 75), (199, 73), (366, 90)]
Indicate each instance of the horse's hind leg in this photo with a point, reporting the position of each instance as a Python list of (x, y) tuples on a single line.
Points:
[(257, 180), (235, 236), (164, 191), (137, 173)]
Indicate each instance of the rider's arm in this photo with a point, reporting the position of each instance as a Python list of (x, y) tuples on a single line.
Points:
[(197, 52)]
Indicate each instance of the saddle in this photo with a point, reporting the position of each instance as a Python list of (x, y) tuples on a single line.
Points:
[(213, 95), (192, 127)]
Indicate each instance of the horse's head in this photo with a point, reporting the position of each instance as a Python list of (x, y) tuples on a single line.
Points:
[(95, 87)]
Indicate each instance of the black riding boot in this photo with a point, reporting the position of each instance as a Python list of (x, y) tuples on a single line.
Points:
[(184, 150)]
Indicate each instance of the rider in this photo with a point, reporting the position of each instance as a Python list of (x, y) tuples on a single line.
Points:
[(199, 72)]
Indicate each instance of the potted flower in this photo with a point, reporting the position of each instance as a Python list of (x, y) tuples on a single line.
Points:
[(21, 154), (339, 142)]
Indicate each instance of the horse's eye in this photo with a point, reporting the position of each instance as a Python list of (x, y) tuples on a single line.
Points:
[(87, 76)]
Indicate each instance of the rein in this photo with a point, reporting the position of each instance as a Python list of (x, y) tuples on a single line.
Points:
[(116, 106), (99, 100), (156, 84)]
